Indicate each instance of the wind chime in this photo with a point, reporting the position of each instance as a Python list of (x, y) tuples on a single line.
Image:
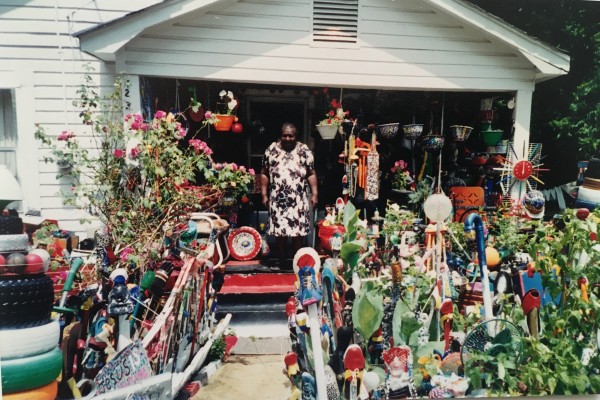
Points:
[(361, 167)]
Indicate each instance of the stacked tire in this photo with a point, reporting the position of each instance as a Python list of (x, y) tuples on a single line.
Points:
[(31, 359)]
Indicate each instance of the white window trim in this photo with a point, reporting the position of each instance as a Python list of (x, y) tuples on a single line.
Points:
[(27, 146)]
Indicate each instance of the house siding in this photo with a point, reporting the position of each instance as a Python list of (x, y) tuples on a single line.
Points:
[(40, 57), (401, 45)]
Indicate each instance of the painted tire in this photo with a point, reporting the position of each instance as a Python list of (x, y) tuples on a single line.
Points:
[(17, 242), (20, 343), (46, 392), (31, 372), (10, 225), (25, 301), (244, 243)]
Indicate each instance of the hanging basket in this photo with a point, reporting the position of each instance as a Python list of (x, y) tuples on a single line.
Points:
[(412, 131), (492, 138), (327, 132), (433, 142), (225, 122), (388, 131), (460, 133)]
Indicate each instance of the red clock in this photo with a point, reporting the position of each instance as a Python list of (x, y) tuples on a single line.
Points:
[(522, 170)]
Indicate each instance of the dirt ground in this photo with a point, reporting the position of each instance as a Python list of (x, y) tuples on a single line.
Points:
[(248, 377)]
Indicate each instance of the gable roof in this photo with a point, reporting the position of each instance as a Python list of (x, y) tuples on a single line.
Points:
[(105, 40)]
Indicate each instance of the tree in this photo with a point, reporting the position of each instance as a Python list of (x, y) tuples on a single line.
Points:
[(565, 110)]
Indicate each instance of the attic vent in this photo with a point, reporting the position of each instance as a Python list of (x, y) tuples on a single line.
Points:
[(335, 21)]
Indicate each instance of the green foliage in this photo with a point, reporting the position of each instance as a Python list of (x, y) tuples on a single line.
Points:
[(367, 312), (217, 350)]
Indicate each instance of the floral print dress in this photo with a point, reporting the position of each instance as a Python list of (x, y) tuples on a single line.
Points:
[(289, 202)]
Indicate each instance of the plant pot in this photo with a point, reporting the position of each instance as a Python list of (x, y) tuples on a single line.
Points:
[(433, 142), (492, 138), (225, 122), (327, 132), (326, 232), (388, 131), (412, 131), (460, 133)]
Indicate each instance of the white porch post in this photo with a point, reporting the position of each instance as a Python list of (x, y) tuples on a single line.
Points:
[(132, 101), (522, 117)]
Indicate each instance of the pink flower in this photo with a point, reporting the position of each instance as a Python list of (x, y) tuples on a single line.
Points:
[(208, 114), (144, 127), (64, 135), (234, 166), (160, 114), (118, 153), (242, 168), (251, 171), (182, 132), (135, 125), (128, 117), (125, 253), (138, 118), (134, 152), (218, 166)]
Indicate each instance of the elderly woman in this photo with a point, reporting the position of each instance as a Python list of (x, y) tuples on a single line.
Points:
[(287, 173)]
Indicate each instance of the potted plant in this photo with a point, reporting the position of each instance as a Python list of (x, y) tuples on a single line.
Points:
[(225, 111), (330, 125), (234, 180), (400, 177)]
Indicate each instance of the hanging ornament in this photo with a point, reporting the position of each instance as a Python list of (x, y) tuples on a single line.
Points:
[(372, 183)]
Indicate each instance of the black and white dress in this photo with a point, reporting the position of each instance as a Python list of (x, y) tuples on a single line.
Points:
[(289, 201)]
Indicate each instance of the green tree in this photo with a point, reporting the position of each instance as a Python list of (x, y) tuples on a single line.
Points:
[(565, 110)]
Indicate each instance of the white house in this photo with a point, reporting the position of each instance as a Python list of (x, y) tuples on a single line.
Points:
[(400, 45)]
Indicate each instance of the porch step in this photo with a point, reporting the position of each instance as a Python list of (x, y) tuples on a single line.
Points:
[(258, 283), (259, 321)]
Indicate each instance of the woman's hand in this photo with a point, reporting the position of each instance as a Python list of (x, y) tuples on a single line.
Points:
[(314, 199)]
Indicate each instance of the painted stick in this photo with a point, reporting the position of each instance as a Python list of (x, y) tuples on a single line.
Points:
[(474, 223), (372, 180)]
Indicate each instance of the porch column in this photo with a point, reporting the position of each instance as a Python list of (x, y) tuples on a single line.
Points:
[(132, 99), (522, 118)]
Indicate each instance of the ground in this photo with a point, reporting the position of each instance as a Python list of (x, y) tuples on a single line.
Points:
[(248, 377)]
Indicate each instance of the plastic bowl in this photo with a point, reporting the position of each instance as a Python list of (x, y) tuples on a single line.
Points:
[(492, 138)]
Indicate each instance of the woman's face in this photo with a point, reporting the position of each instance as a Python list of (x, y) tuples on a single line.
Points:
[(288, 139)]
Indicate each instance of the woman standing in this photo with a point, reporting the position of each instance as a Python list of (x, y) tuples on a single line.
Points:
[(288, 169)]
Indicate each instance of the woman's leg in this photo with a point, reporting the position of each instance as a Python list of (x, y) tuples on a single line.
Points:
[(281, 242)]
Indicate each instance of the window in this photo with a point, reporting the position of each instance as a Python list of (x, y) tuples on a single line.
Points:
[(8, 130)]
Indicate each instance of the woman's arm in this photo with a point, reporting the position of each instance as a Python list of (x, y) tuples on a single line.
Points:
[(312, 181), (264, 184)]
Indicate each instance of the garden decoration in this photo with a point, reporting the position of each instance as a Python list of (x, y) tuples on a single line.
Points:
[(354, 364), (372, 175), (400, 382), (521, 170), (306, 265), (474, 227)]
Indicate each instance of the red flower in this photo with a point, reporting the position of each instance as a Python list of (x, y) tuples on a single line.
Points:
[(331, 113)]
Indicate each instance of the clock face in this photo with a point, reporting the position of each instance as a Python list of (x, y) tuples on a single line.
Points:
[(522, 170)]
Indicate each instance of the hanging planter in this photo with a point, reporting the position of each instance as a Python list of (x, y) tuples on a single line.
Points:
[(224, 123), (492, 138), (433, 142), (412, 131), (388, 131), (460, 133), (327, 131)]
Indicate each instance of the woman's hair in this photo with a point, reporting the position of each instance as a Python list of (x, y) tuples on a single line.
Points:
[(290, 126)]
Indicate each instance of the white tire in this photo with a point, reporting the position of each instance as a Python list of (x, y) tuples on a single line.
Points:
[(27, 342)]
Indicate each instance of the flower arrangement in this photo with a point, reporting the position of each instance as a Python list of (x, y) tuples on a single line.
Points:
[(227, 103), (130, 178), (336, 115), (400, 176), (236, 180)]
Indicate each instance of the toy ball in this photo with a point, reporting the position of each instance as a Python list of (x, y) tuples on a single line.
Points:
[(16, 263), (35, 264), (237, 128), (45, 256), (492, 257)]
